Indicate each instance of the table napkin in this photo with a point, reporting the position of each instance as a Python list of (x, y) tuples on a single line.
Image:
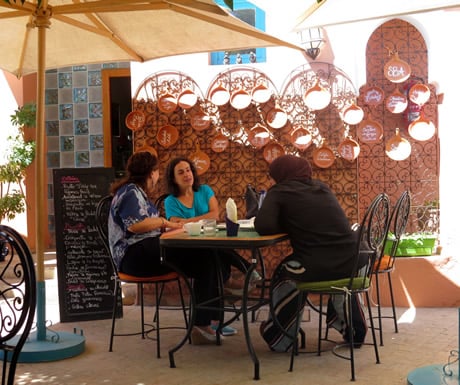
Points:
[(231, 210)]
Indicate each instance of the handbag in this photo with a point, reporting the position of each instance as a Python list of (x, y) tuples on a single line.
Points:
[(252, 201)]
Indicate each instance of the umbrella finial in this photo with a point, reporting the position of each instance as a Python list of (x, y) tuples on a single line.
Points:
[(42, 16)]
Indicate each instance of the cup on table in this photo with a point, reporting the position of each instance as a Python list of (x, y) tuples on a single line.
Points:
[(193, 228), (232, 227), (209, 227)]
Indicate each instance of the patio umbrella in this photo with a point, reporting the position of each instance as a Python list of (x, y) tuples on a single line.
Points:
[(58, 33)]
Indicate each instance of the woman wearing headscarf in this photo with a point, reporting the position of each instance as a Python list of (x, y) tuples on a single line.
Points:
[(322, 240), (307, 210)]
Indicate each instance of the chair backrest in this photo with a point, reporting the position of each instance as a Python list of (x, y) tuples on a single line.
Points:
[(102, 221), (371, 235), (17, 298), (159, 203), (399, 218), (396, 228)]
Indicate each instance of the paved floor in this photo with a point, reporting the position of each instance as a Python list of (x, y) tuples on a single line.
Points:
[(426, 337)]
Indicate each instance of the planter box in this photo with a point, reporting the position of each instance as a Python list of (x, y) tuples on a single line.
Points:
[(413, 245)]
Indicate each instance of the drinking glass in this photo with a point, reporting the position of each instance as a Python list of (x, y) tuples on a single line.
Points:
[(209, 227)]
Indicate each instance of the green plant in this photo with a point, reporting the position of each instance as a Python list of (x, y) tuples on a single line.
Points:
[(25, 116), (11, 205), (20, 155)]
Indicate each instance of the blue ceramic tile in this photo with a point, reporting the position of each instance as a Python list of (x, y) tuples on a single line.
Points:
[(95, 110), (51, 96), (94, 78), (96, 142), (81, 126), (65, 111), (82, 159), (110, 65), (52, 127), (80, 95), (53, 159), (65, 79), (67, 143)]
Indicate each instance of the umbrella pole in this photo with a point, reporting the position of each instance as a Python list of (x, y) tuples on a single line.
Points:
[(58, 345), (41, 214)]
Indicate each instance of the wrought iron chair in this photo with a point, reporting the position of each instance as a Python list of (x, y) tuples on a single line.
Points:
[(102, 215), (18, 299), (371, 235), (385, 264)]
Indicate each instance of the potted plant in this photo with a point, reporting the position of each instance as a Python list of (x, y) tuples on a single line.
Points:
[(413, 244), (20, 154)]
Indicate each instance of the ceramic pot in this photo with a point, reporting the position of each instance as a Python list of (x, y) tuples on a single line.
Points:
[(200, 121), (147, 149), (317, 97), (272, 151), (421, 129), (349, 149), (353, 114), (201, 160), (301, 138), (398, 148), (396, 70), (373, 96), (396, 102), (419, 94), (135, 120), (240, 99), (261, 94), (323, 157), (167, 136), (220, 95), (219, 143), (259, 136), (276, 118), (167, 103), (187, 99), (370, 131)]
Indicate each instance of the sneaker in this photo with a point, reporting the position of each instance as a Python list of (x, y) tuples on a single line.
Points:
[(202, 337), (255, 277), (226, 330)]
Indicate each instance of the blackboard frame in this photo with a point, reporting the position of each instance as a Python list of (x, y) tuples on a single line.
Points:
[(85, 274)]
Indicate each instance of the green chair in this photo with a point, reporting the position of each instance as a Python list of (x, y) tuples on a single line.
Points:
[(385, 264), (371, 233)]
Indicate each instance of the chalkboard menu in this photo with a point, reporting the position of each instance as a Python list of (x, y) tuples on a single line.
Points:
[(84, 269)]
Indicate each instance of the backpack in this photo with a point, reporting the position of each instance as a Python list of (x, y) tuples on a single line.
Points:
[(337, 317), (285, 302)]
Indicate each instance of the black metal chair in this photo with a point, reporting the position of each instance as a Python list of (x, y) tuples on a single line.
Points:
[(371, 235), (386, 262), (17, 299), (159, 281)]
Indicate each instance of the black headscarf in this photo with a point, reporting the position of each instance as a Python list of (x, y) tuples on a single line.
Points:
[(288, 167)]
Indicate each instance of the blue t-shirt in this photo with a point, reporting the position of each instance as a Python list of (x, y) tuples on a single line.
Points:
[(130, 205), (175, 208)]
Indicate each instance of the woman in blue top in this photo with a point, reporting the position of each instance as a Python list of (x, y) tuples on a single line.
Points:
[(190, 201), (134, 230)]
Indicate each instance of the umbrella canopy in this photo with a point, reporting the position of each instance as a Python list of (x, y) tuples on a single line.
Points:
[(44, 34), (94, 31)]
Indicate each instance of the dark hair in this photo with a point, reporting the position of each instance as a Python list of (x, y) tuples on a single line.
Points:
[(138, 168), (171, 185)]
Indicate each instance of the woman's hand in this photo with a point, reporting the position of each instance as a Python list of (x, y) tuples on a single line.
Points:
[(173, 225)]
